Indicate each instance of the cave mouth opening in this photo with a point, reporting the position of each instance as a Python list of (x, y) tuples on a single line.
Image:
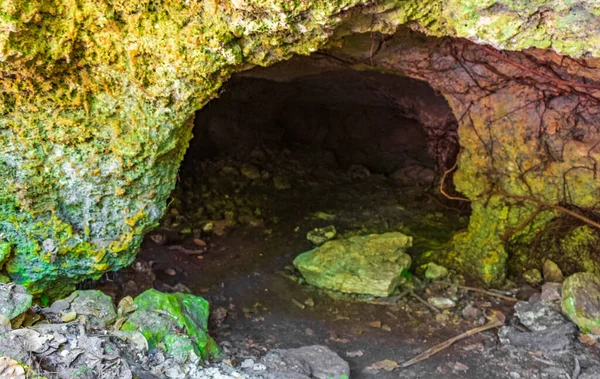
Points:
[(291, 148)]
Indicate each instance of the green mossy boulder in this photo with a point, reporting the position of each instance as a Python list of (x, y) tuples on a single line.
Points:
[(175, 322), (371, 264), (581, 301)]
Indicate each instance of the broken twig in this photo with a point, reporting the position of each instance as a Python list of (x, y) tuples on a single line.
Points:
[(496, 319), (423, 301)]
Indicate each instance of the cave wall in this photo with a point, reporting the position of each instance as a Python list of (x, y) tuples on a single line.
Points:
[(97, 99), (529, 133)]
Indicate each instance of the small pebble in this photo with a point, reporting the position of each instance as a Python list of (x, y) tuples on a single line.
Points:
[(310, 302), (171, 271), (68, 317)]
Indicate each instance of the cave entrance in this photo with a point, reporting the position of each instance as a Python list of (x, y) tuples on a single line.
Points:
[(285, 150), (279, 154)]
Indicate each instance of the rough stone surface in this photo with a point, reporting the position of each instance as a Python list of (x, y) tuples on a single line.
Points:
[(435, 271), (590, 373), (551, 292), (14, 300), (539, 316), (307, 362), (581, 301), (319, 236), (95, 112), (160, 317), (533, 277), (97, 307), (554, 340), (371, 264), (552, 272)]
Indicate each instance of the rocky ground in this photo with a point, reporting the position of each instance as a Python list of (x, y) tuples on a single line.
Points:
[(232, 235)]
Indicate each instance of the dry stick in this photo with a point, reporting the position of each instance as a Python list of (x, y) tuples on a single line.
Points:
[(486, 292), (187, 251), (435, 309), (496, 318), (490, 293)]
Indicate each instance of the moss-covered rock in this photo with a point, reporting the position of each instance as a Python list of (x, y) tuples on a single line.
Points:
[(176, 323), (371, 264), (97, 98), (581, 301)]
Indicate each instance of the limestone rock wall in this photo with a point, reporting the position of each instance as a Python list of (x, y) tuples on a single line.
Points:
[(96, 98)]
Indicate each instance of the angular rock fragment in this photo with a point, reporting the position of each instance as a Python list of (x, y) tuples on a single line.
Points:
[(581, 301), (305, 362), (435, 271), (371, 264), (177, 320), (319, 236), (552, 272), (14, 300), (539, 316)]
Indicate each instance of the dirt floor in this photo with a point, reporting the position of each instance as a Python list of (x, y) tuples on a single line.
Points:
[(259, 301)]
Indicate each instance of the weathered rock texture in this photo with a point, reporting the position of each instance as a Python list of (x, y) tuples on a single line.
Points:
[(97, 97)]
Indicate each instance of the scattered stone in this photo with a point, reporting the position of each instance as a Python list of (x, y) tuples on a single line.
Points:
[(160, 317), (97, 308), (552, 272), (385, 327), (170, 271), (281, 183), (14, 300), (310, 361), (250, 172), (319, 236), (387, 365), (533, 277), (354, 354), (581, 301), (435, 271), (159, 239), (375, 324), (441, 302), (298, 304), (539, 316), (553, 340), (471, 313), (69, 316), (551, 291), (590, 373), (371, 264), (324, 216), (310, 302)]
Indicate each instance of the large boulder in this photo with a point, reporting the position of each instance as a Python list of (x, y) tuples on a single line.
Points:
[(371, 264), (177, 321), (581, 301)]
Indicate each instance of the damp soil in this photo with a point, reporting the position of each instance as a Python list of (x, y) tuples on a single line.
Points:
[(246, 275)]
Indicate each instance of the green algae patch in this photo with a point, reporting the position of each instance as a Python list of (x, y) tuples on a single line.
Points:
[(581, 301), (371, 264), (175, 322)]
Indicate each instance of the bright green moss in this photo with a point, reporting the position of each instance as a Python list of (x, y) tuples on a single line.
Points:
[(176, 322)]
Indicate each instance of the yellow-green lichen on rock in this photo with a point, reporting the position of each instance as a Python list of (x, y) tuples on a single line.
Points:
[(96, 101)]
